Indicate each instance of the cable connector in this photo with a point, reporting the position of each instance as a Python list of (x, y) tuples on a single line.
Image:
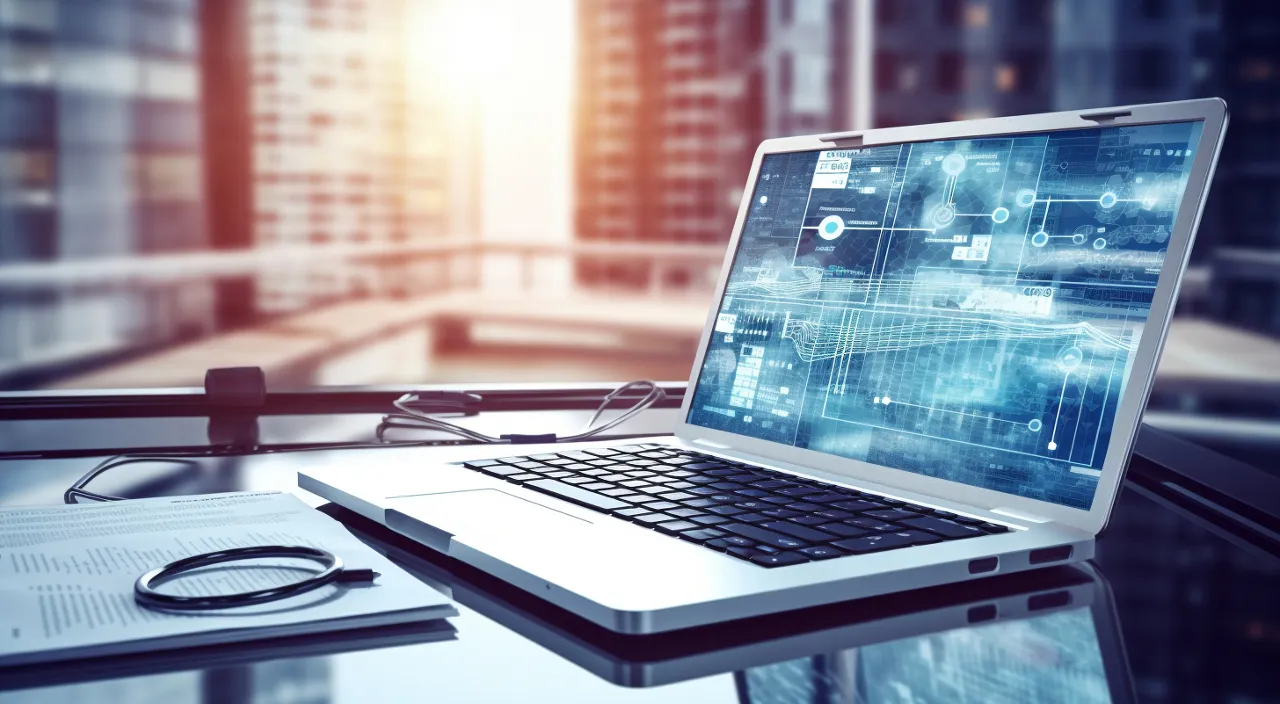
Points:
[(519, 439)]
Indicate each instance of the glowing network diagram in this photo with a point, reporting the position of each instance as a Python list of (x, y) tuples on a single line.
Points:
[(965, 309)]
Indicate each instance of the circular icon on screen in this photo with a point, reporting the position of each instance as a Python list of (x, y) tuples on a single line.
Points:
[(831, 227)]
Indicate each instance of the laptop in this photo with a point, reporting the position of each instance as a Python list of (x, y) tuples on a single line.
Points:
[(927, 363)]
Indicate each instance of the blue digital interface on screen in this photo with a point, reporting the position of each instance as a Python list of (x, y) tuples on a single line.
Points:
[(964, 309)]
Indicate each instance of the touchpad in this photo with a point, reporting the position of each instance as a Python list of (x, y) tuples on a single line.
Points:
[(482, 513)]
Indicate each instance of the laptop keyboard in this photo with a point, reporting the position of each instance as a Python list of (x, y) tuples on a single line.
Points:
[(760, 515)]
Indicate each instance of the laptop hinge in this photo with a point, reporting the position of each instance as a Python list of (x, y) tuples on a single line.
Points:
[(707, 443), (1021, 515)]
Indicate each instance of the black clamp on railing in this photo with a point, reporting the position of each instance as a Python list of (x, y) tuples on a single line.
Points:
[(235, 396)]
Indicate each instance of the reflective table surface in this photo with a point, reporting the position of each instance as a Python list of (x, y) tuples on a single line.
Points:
[(1167, 612)]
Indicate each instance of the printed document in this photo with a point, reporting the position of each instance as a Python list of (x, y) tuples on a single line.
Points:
[(67, 576)]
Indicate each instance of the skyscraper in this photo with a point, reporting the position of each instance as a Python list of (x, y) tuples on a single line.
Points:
[(348, 147), (1246, 275), (673, 97), (100, 156)]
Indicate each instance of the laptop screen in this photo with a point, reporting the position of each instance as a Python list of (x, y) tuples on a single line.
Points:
[(964, 309)]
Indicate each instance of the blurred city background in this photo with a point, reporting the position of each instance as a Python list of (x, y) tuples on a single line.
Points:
[(422, 191)]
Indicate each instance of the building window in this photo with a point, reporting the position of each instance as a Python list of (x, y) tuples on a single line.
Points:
[(886, 71), (1031, 13), (950, 12), (1149, 68), (1154, 9), (949, 71), (977, 15), (786, 75)]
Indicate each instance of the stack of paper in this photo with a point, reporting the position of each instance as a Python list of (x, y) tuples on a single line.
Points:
[(67, 575)]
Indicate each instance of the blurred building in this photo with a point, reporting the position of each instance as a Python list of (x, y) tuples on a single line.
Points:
[(1246, 273), (673, 97), (100, 156), (349, 149)]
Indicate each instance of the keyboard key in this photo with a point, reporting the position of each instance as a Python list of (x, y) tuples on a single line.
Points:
[(857, 505), (676, 496), (725, 510), (744, 553), (943, 514), (872, 524), (573, 493), (577, 480), (780, 500), (770, 484), (559, 474), (543, 457), (942, 527), (892, 514), (780, 513), (821, 552), (701, 503), (966, 520), (710, 520), (842, 530), (601, 452), (597, 486), (503, 470), (739, 541), (782, 559), (676, 461), (640, 462), (722, 472), (753, 505), (577, 467), (673, 527), (727, 486), (992, 528), (633, 511), (701, 480), (615, 478), (529, 465), (661, 505), (560, 462), (600, 463), (477, 464), (809, 520), (595, 472), (704, 465), (701, 534), (652, 454), (680, 473), (803, 506), (524, 477), (576, 455), (679, 485), (634, 498), (623, 458), (511, 460), (703, 491), (752, 493), (654, 518), (797, 531), (826, 498), (876, 543), (651, 489), (765, 536), (797, 491), (750, 518), (724, 498), (659, 479), (891, 502), (685, 512), (745, 478), (833, 514)]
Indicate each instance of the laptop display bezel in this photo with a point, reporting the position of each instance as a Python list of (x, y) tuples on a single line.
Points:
[(1211, 112)]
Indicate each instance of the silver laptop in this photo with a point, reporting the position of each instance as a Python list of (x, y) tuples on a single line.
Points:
[(928, 363)]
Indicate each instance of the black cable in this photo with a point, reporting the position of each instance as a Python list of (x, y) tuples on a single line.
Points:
[(416, 412)]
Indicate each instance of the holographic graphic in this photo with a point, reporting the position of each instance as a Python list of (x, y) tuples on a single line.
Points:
[(964, 309)]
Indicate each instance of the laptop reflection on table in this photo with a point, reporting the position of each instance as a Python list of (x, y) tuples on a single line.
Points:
[(1049, 635)]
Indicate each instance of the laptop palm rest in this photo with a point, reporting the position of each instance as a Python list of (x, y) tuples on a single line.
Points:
[(479, 515)]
